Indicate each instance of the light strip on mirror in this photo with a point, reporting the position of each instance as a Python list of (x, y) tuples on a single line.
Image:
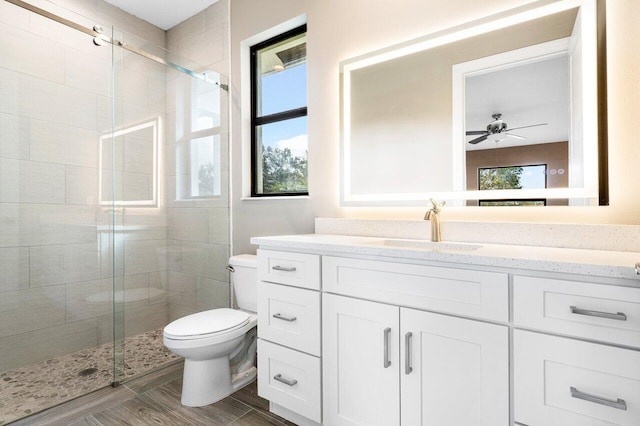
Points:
[(478, 27)]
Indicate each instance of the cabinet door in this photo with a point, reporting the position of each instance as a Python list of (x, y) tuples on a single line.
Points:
[(360, 362), (456, 371)]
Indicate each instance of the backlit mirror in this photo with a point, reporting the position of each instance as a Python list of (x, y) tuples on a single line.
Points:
[(500, 111)]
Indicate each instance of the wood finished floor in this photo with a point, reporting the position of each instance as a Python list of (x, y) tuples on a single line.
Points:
[(155, 400)]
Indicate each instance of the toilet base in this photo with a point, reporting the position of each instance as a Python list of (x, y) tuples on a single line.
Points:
[(208, 381)]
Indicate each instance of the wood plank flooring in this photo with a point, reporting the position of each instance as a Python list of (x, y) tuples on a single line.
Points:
[(155, 400)]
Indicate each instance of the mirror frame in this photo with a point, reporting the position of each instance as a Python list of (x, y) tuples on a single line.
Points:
[(538, 9)]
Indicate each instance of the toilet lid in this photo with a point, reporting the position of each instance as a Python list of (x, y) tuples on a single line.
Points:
[(206, 323)]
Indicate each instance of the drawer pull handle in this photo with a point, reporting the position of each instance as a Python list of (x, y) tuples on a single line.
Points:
[(287, 382), (620, 404), (386, 361), (407, 353), (283, 318), (284, 268), (617, 316)]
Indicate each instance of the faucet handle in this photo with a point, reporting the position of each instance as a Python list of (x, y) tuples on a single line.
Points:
[(437, 205)]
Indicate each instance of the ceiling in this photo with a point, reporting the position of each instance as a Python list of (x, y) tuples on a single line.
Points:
[(525, 95), (164, 14)]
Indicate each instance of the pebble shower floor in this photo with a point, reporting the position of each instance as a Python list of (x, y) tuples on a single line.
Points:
[(28, 390)]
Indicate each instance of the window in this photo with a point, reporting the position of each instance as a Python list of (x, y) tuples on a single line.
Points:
[(279, 115), (513, 177)]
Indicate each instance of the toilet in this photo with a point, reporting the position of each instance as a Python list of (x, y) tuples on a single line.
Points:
[(219, 345)]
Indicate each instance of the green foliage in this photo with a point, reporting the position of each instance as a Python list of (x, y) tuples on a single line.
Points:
[(500, 178), (282, 171), (206, 175)]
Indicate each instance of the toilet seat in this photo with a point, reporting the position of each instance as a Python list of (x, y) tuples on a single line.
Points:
[(206, 324)]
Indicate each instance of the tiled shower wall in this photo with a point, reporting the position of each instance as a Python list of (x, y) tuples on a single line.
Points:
[(198, 228), (55, 264)]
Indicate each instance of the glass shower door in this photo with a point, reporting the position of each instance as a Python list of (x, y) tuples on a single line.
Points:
[(171, 212)]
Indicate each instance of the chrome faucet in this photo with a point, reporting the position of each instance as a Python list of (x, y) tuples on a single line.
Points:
[(432, 216)]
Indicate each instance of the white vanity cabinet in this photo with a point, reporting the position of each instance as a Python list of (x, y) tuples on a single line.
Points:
[(289, 365), (364, 339), (561, 380), (374, 352)]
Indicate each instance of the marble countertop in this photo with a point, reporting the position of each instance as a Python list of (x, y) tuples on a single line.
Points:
[(603, 263)]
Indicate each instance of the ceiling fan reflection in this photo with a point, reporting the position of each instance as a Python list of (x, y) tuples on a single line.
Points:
[(497, 130)]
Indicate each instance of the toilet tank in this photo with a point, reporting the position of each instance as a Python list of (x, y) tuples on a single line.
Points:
[(245, 281)]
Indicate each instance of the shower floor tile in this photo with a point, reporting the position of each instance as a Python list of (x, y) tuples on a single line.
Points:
[(30, 389)]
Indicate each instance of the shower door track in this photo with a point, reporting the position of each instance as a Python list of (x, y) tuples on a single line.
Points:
[(99, 36)]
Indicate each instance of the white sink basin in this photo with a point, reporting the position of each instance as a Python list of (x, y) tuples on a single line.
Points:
[(427, 245)]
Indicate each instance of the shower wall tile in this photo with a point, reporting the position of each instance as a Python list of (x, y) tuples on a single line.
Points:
[(9, 180), (55, 143), (28, 310), (9, 91), (196, 294), (89, 299), (50, 342), (14, 268), (144, 256), (27, 53), (14, 137), (10, 224), (92, 73), (14, 15), (31, 182), (145, 318), (50, 101), (188, 224), (201, 259), (81, 185), (42, 183), (219, 225), (67, 36), (46, 224), (55, 265)]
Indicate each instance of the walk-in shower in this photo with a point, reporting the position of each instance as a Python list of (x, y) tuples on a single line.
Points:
[(113, 199)]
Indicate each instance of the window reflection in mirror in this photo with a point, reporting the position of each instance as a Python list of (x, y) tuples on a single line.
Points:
[(128, 174)]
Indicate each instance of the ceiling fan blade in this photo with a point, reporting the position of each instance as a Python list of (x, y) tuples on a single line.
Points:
[(478, 140), (476, 132), (524, 127), (511, 135)]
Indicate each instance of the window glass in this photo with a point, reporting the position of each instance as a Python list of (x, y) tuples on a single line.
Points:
[(279, 115)]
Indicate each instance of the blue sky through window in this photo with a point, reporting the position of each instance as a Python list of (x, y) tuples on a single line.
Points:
[(282, 91)]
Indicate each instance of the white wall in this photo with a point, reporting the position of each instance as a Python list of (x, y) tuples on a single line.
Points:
[(340, 29)]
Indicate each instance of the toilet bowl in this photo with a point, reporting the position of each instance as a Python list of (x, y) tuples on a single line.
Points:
[(218, 345)]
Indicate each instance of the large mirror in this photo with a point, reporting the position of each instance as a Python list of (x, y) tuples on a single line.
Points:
[(500, 111)]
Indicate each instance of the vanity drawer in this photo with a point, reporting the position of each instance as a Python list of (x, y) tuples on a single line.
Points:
[(290, 379), (296, 269), (289, 316), (560, 381), (593, 311), (458, 291)]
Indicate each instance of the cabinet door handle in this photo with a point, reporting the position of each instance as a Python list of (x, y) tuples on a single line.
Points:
[(387, 362), (283, 318), (617, 316), (620, 404), (407, 353), (284, 268), (287, 382)]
